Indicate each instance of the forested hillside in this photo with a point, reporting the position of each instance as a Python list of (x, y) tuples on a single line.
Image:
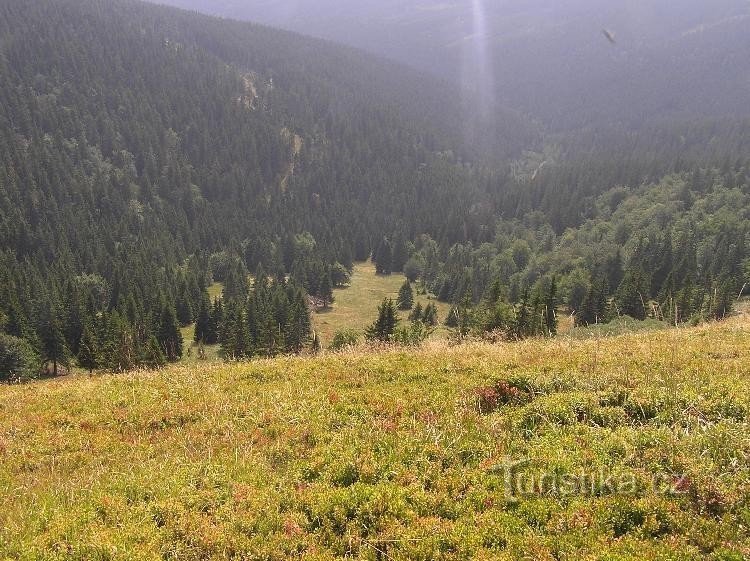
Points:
[(137, 141), (148, 152)]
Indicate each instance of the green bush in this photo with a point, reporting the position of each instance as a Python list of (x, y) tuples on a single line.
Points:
[(344, 339), (18, 360)]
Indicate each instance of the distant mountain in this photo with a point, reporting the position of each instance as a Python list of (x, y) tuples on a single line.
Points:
[(550, 58)]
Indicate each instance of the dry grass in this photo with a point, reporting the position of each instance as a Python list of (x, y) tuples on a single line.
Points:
[(387, 455)]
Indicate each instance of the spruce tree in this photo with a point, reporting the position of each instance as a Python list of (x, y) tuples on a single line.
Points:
[(184, 307), (168, 334), (235, 344), (405, 296), (594, 307), (523, 325), (453, 318), (325, 289), (53, 345), (118, 349), (385, 325), (214, 326), (631, 295), (383, 257), (416, 313), (203, 322), (550, 308), (430, 316), (152, 355), (88, 350), (298, 326)]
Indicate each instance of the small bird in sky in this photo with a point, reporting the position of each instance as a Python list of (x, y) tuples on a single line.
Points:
[(610, 36)]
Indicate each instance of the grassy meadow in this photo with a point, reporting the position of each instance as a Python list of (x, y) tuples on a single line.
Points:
[(437, 453), (356, 306)]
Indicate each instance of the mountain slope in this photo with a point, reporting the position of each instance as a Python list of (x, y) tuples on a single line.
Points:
[(546, 57), (635, 442), (142, 145), (215, 103)]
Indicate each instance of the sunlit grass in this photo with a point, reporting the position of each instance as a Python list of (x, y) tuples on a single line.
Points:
[(356, 306), (390, 455)]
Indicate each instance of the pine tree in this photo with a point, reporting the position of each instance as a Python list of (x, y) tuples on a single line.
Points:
[(53, 345), (405, 296), (184, 307), (385, 325), (214, 326), (523, 326), (118, 348), (416, 313), (430, 317), (203, 322), (383, 257), (88, 351), (298, 326), (462, 315), (168, 334), (453, 319), (631, 295), (152, 355), (594, 307), (550, 307), (235, 343), (325, 289)]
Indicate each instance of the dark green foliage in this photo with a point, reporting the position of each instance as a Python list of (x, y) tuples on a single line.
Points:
[(430, 315), (168, 334), (274, 319), (405, 296), (413, 269), (340, 276), (325, 289), (54, 348), (497, 317), (383, 257), (170, 176), (235, 338), (549, 313), (632, 294), (88, 350), (18, 360), (344, 339), (417, 313), (385, 325), (152, 355), (184, 305), (412, 334), (203, 324), (298, 327), (118, 350), (594, 308)]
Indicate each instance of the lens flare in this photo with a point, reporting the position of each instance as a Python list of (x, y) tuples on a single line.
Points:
[(480, 76)]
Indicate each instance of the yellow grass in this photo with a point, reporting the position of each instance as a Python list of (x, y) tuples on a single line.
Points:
[(388, 456)]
